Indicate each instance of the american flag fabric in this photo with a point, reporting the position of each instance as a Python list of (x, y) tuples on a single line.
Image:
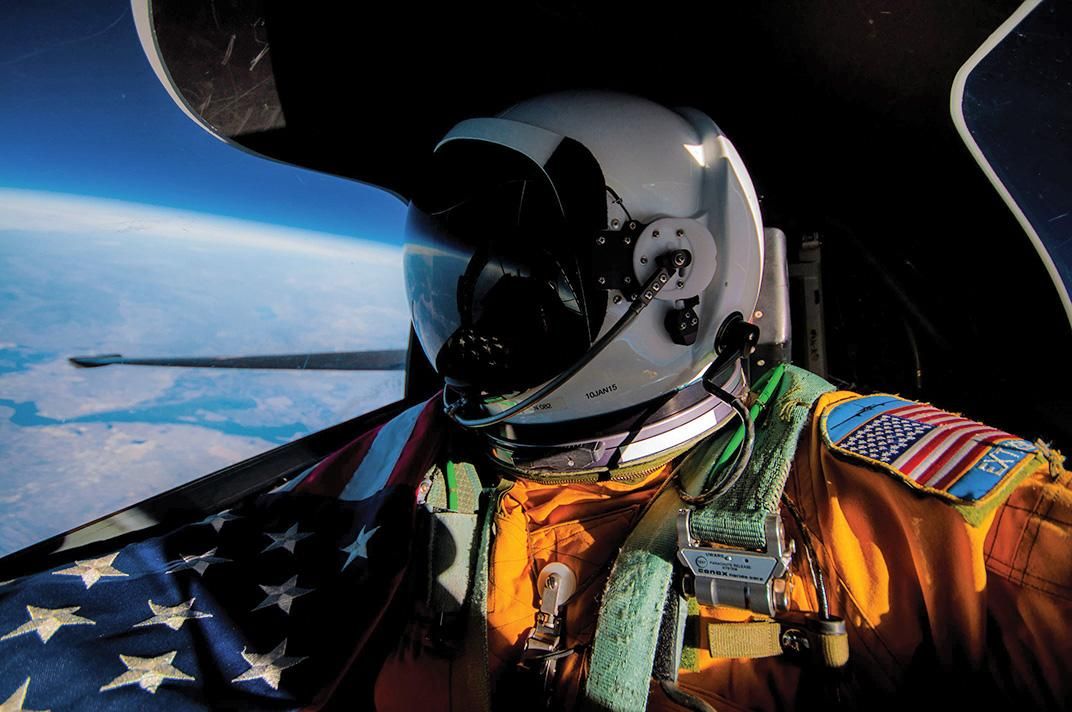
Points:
[(935, 449), (266, 606)]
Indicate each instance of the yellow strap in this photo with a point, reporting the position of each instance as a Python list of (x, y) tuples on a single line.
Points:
[(834, 650), (756, 639)]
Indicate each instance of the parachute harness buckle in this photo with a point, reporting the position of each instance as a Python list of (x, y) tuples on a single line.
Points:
[(556, 583), (756, 581)]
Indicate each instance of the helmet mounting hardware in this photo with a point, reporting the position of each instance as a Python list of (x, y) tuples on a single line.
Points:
[(612, 257), (665, 235), (684, 323)]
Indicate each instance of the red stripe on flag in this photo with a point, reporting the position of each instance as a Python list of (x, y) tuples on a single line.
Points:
[(940, 418), (953, 468), (909, 410), (923, 413), (954, 473), (940, 436), (423, 445), (334, 471), (983, 446)]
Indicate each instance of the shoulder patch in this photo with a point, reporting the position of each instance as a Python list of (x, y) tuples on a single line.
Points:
[(932, 450)]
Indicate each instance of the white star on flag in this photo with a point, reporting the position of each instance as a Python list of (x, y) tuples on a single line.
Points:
[(268, 667), (198, 563), (46, 621), (283, 595), (218, 520), (359, 547), (172, 616), (285, 540), (17, 700), (147, 673), (92, 570)]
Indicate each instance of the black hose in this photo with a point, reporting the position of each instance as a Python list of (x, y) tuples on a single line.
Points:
[(744, 453)]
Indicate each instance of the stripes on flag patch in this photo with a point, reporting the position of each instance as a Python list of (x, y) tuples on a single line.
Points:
[(935, 450)]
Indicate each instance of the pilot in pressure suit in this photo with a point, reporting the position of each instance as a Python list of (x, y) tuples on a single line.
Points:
[(621, 517), (604, 508)]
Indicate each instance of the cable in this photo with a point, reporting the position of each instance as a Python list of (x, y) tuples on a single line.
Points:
[(555, 654), (686, 700), (618, 201), (744, 454), (813, 560)]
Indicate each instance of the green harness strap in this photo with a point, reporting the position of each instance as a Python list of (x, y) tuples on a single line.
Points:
[(635, 596), (470, 684), (453, 503), (460, 515), (737, 518)]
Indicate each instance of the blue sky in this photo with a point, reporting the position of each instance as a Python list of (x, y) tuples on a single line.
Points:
[(84, 114)]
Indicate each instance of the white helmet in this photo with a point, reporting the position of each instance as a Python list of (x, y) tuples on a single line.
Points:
[(527, 252)]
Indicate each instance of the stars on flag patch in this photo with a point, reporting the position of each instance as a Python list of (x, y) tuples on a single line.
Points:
[(933, 449), (93, 570)]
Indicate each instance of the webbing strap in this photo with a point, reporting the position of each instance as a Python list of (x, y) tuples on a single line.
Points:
[(455, 487), (470, 685), (627, 629), (450, 560), (754, 639), (635, 595), (453, 501), (737, 518)]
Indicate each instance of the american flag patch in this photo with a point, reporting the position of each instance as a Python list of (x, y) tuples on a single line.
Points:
[(932, 448)]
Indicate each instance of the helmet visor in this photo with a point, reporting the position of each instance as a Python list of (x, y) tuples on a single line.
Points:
[(496, 272)]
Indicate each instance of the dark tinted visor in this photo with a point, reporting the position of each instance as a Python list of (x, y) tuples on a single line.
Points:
[(497, 264)]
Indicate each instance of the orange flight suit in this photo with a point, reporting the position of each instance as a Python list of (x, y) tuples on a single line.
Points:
[(946, 602)]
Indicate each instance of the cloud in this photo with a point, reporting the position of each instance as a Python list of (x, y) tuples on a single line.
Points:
[(39, 211), (61, 476), (86, 276), (78, 294), (62, 391)]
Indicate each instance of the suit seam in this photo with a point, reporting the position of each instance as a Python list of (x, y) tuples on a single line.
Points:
[(1023, 533), (988, 553), (1035, 587), (1039, 518), (1055, 520)]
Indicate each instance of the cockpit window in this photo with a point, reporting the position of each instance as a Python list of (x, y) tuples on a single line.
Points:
[(1013, 105), (219, 58), (126, 228)]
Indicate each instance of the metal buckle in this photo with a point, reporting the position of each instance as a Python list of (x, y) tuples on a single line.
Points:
[(557, 584), (756, 581)]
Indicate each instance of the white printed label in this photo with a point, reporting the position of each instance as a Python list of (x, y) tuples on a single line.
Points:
[(732, 565)]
